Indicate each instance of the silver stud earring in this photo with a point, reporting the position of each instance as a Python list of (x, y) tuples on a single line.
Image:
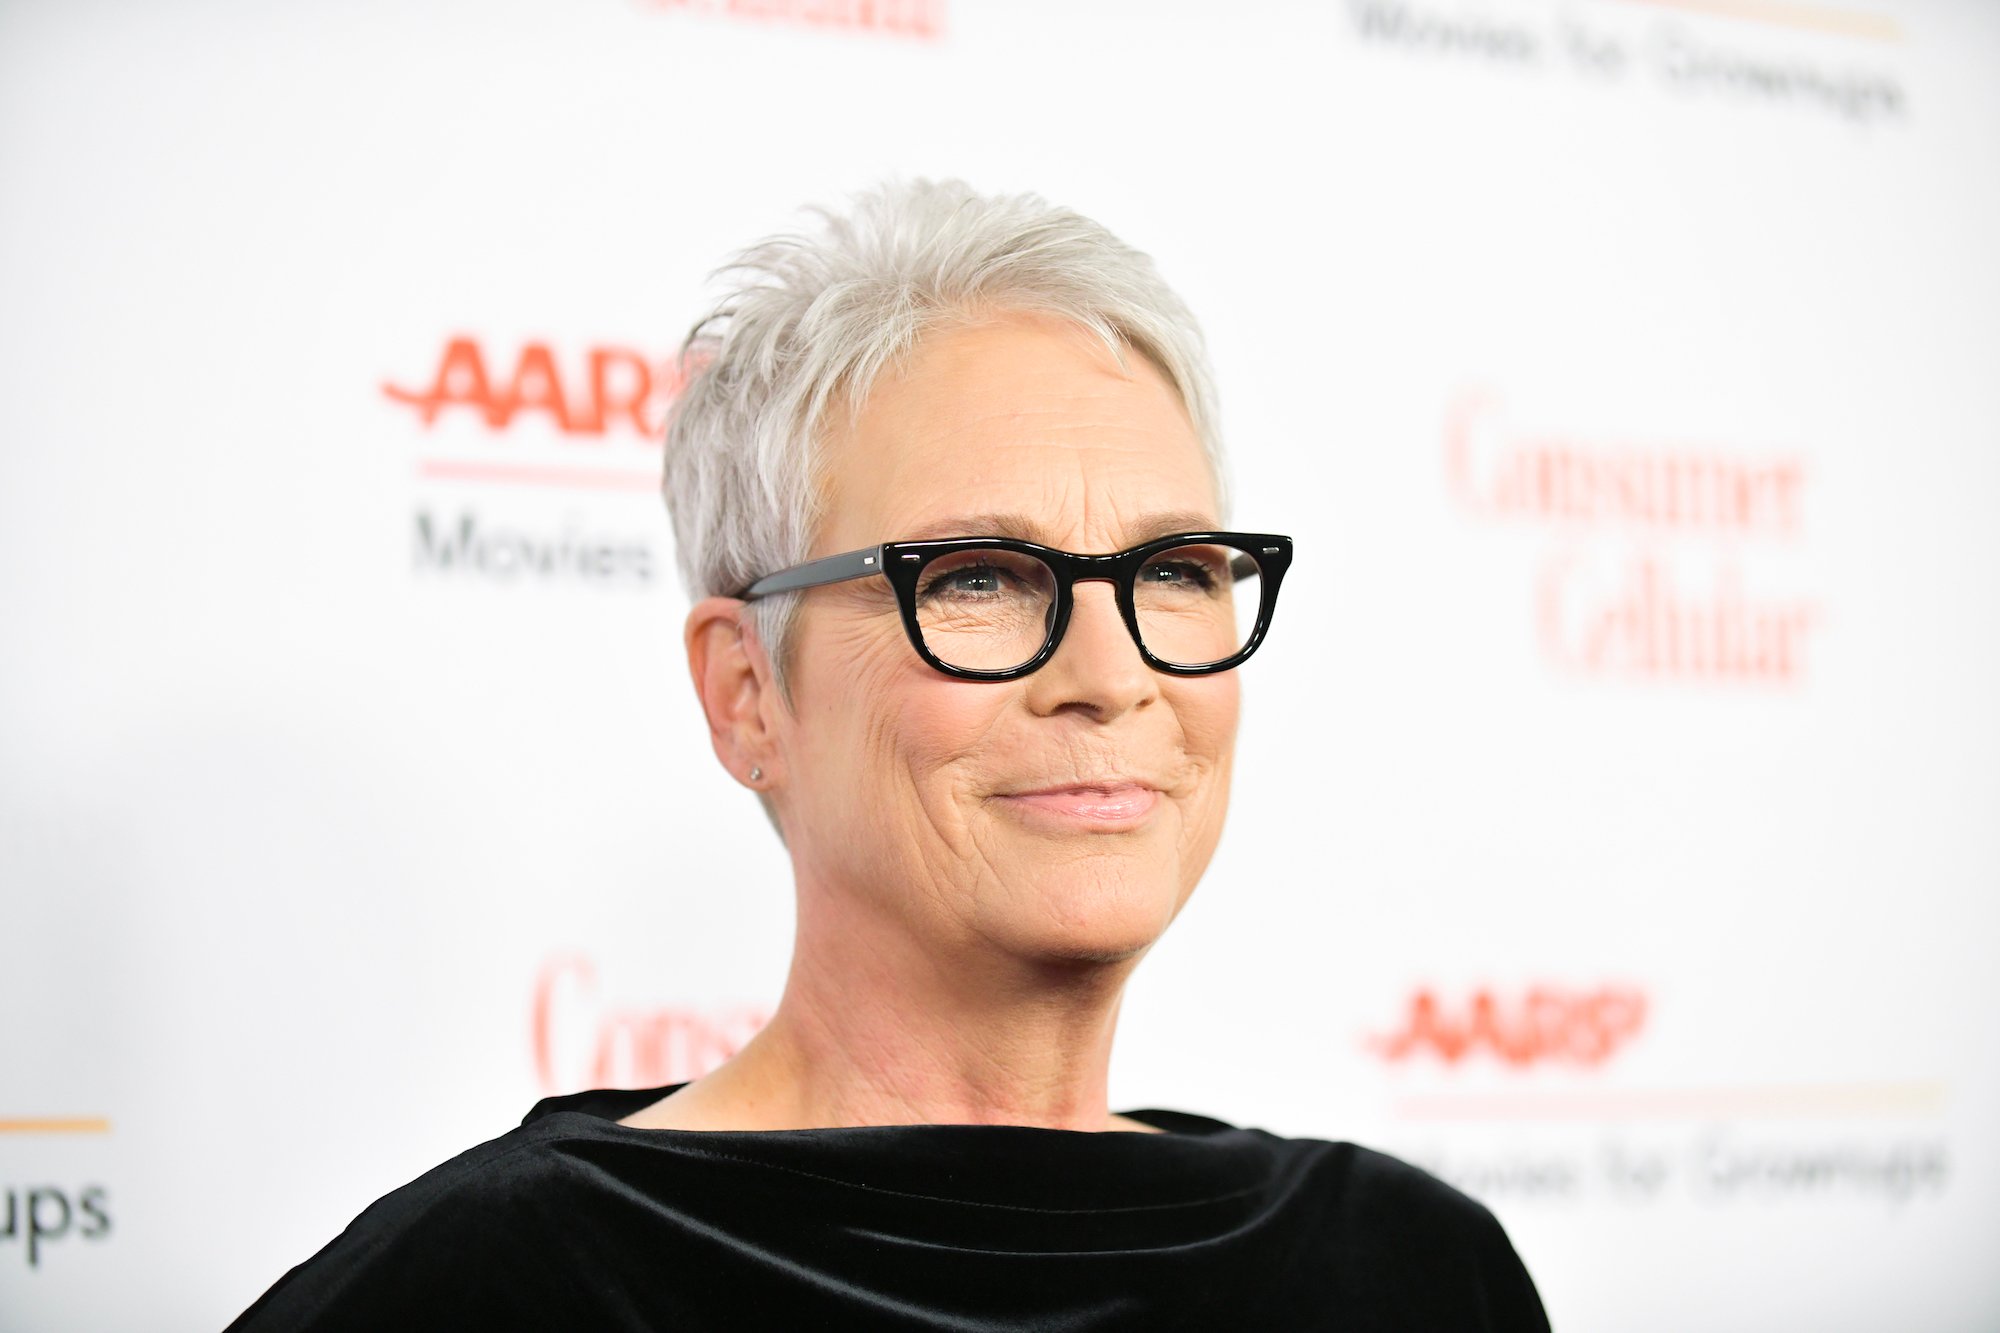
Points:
[(756, 775)]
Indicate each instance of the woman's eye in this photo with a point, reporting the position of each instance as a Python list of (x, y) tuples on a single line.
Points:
[(1180, 574), (971, 581)]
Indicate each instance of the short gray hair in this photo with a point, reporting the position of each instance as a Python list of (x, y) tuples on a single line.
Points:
[(810, 320)]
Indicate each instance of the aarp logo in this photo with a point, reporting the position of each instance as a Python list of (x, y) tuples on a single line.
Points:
[(1536, 1025)]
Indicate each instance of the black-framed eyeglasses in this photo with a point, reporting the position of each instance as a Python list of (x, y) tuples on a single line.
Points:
[(995, 608)]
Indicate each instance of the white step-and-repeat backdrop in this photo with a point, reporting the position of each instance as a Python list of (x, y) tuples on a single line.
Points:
[(1618, 829)]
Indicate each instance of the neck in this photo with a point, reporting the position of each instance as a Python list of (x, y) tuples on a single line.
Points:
[(876, 1028)]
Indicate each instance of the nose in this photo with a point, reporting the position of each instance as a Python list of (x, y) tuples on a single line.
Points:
[(1096, 668)]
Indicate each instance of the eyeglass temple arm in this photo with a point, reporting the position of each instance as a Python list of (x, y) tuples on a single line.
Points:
[(826, 569)]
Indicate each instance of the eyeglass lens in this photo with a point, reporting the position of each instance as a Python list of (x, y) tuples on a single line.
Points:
[(991, 610)]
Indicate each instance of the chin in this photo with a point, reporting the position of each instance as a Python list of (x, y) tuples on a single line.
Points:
[(1098, 908)]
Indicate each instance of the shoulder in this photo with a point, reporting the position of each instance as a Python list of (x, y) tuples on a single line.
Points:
[(1415, 1252), (1392, 1195), (431, 1248)]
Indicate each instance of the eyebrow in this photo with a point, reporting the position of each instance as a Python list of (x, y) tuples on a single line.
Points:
[(1023, 528)]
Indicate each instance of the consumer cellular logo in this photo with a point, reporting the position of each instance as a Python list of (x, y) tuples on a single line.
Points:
[(1667, 558)]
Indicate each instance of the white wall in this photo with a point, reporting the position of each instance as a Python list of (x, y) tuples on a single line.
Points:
[(302, 834)]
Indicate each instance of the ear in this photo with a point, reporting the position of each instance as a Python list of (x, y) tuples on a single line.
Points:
[(732, 676)]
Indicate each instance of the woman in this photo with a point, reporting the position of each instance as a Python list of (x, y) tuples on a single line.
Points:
[(967, 620)]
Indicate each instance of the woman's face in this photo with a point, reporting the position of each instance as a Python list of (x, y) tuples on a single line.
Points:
[(1066, 815)]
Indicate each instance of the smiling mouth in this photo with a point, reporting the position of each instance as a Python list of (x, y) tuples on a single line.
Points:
[(1108, 807)]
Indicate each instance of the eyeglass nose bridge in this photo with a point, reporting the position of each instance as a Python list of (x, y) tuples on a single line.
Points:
[(1098, 568), (1113, 573), (1114, 569)]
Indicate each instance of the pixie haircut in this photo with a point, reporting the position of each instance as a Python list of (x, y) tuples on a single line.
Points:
[(809, 322)]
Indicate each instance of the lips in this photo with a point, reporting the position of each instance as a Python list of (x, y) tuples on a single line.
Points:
[(1106, 805)]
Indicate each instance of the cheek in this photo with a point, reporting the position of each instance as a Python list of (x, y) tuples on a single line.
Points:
[(1207, 709), (843, 666), (883, 737)]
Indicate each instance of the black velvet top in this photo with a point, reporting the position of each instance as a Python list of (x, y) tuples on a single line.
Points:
[(573, 1221)]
